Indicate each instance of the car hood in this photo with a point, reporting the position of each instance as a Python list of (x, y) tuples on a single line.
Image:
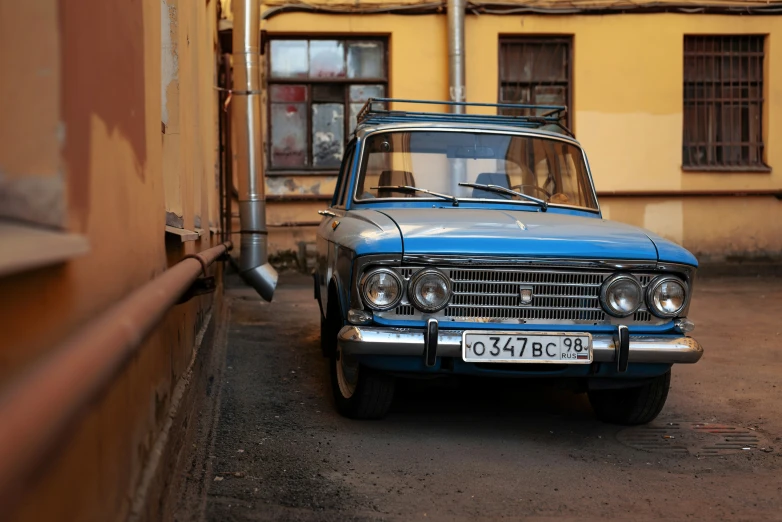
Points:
[(521, 233)]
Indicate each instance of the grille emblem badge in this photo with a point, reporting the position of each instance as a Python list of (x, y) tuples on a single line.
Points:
[(525, 295)]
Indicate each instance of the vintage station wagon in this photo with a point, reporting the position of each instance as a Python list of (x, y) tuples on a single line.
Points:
[(462, 244)]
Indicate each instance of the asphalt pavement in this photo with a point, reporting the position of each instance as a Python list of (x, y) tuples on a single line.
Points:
[(486, 450)]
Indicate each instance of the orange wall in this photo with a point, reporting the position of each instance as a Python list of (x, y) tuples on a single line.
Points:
[(99, 122)]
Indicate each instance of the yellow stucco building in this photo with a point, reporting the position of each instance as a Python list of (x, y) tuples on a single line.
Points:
[(678, 104), (113, 141)]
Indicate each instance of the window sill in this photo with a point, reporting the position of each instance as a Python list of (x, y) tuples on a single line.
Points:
[(26, 247), (183, 234), (764, 169)]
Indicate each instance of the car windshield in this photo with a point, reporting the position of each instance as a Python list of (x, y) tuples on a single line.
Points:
[(545, 168)]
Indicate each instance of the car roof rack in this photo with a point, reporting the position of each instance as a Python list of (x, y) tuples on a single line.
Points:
[(374, 112)]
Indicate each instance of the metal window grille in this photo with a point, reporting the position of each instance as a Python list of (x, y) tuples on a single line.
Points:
[(316, 87), (535, 70), (723, 103)]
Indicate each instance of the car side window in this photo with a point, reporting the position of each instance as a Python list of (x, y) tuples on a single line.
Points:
[(344, 178)]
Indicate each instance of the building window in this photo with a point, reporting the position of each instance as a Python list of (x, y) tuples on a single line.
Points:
[(535, 70), (723, 103), (316, 88)]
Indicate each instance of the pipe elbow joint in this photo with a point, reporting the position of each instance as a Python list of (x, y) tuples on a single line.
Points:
[(262, 278), (254, 268)]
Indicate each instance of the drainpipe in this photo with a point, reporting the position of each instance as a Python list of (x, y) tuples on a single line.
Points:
[(246, 120), (456, 10)]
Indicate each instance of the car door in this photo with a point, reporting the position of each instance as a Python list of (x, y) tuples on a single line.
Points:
[(326, 247)]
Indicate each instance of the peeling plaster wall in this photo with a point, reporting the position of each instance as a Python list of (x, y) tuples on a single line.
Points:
[(627, 112), (300, 185), (189, 114), (169, 55), (82, 111), (425, 77), (715, 229), (32, 131)]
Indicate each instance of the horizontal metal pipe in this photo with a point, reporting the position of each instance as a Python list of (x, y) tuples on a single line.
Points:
[(511, 8), (39, 408)]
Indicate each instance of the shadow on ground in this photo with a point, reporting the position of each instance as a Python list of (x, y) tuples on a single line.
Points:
[(478, 449)]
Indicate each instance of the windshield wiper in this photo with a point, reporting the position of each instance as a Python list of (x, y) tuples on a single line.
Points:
[(502, 190), (408, 188)]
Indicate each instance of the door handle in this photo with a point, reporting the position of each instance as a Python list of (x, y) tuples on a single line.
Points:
[(327, 213)]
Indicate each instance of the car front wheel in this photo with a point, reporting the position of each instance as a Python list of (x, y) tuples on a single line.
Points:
[(359, 392), (631, 406)]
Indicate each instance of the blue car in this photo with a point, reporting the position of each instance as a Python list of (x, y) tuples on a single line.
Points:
[(464, 244)]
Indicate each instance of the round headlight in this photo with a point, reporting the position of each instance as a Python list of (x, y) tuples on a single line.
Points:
[(621, 295), (382, 289), (429, 291), (666, 296)]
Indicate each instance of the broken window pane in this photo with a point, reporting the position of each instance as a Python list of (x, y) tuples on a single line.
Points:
[(365, 60), (328, 134), (327, 59), (306, 119), (288, 134), (288, 58), (288, 93), (361, 93)]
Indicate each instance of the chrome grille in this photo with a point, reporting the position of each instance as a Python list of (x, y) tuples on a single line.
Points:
[(406, 272), (557, 296), (493, 295), (643, 316), (405, 310)]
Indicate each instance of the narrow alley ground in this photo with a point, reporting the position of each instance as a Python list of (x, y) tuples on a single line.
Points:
[(489, 450)]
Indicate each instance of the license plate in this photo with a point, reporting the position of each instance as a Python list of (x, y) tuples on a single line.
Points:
[(527, 347)]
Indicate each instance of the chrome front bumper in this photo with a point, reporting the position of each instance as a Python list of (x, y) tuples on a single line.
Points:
[(373, 340)]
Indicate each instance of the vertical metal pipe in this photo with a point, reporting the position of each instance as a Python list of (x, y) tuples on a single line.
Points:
[(456, 9), (246, 120)]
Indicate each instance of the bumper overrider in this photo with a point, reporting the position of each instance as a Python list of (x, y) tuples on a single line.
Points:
[(620, 348)]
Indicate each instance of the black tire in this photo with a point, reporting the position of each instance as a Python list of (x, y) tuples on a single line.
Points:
[(330, 327), (372, 396), (631, 406)]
